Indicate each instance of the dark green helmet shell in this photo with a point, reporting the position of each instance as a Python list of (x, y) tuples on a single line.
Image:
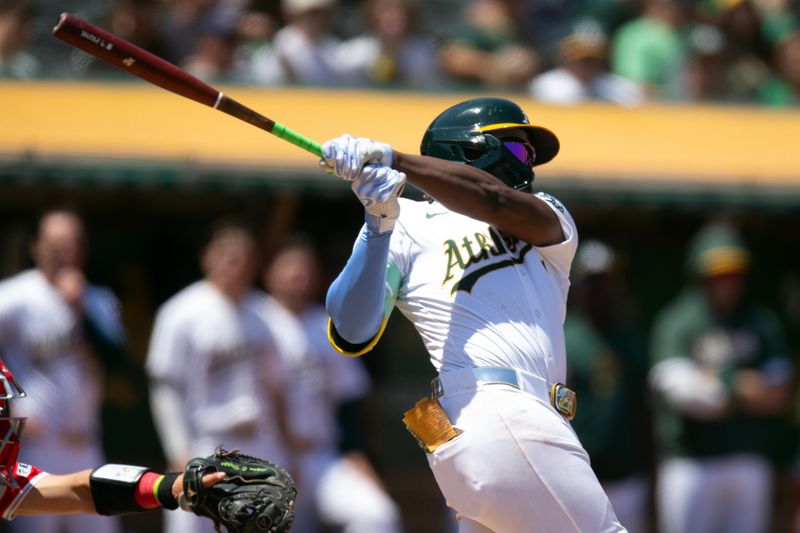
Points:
[(471, 132)]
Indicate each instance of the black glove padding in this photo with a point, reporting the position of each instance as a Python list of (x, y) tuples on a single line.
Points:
[(255, 496)]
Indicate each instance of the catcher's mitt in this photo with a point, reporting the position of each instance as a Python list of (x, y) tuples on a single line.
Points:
[(255, 496)]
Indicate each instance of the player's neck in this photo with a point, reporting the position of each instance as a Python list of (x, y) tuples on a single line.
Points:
[(235, 293), (48, 274)]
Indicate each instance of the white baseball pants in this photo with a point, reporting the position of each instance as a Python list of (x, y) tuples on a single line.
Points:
[(517, 466)]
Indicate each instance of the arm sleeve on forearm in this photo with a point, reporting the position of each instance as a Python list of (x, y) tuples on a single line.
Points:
[(171, 423), (355, 300)]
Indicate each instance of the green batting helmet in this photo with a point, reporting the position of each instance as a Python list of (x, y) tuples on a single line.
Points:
[(471, 132)]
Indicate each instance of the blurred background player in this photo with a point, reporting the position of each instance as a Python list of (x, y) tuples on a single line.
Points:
[(607, 368), (55, 328), (339, 486), (722, 374), (216, 378)]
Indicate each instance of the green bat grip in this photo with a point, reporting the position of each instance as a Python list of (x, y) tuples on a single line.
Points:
[(281, 131)]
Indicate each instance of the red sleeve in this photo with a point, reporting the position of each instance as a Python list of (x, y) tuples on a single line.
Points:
[(17, 481)]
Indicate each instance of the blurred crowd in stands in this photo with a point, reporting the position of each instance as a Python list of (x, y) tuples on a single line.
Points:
[(558, 51)]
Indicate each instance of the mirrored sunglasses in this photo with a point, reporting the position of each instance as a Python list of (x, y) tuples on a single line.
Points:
[(522, 150)]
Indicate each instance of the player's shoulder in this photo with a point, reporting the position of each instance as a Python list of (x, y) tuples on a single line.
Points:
[(187, 300), (272, 309), (22, 280), (256, 300)]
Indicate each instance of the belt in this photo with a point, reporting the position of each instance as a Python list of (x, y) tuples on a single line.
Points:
[(561, 398)]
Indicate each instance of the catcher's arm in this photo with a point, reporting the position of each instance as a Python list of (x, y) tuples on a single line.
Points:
[(72, 493)]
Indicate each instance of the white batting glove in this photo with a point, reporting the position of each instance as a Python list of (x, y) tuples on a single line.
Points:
[(347, 155), (378, 189)]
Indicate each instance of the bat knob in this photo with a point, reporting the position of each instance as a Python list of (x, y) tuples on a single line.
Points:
[(61, 20)]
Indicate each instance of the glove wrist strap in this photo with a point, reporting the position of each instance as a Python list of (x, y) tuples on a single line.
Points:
[(379, 224), (163, 491), (114, 488)]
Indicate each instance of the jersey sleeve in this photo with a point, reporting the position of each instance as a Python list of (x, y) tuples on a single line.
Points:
[(560, 255), (345, 290), (26, 477)]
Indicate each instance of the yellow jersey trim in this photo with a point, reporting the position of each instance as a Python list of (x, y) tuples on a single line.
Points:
[(370, 345)]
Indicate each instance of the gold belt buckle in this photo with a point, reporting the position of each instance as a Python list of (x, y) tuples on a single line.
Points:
[(564, 400)]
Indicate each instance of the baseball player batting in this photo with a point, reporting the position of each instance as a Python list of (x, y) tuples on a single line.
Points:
[(482, 271)]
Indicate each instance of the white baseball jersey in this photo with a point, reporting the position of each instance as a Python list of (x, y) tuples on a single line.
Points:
[(220, 357), (321, 378), (42, 340), (481, 298)]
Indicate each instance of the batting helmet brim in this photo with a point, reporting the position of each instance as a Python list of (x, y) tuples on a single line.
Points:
[(543, 140)]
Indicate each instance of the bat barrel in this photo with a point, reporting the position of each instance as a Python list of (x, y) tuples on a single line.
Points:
[(129, 57)]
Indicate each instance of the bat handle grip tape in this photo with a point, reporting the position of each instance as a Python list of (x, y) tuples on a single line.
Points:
[(281, 131)]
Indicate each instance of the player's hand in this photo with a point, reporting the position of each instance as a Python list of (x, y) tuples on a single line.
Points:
[(70, 283), (208, 481), (377, 189), (347, 155), (756, 395)]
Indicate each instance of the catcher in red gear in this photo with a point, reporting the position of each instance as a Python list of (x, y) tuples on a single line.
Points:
[(111, 489)]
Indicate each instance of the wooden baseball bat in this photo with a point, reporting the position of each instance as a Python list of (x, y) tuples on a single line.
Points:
[(130, 58)]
